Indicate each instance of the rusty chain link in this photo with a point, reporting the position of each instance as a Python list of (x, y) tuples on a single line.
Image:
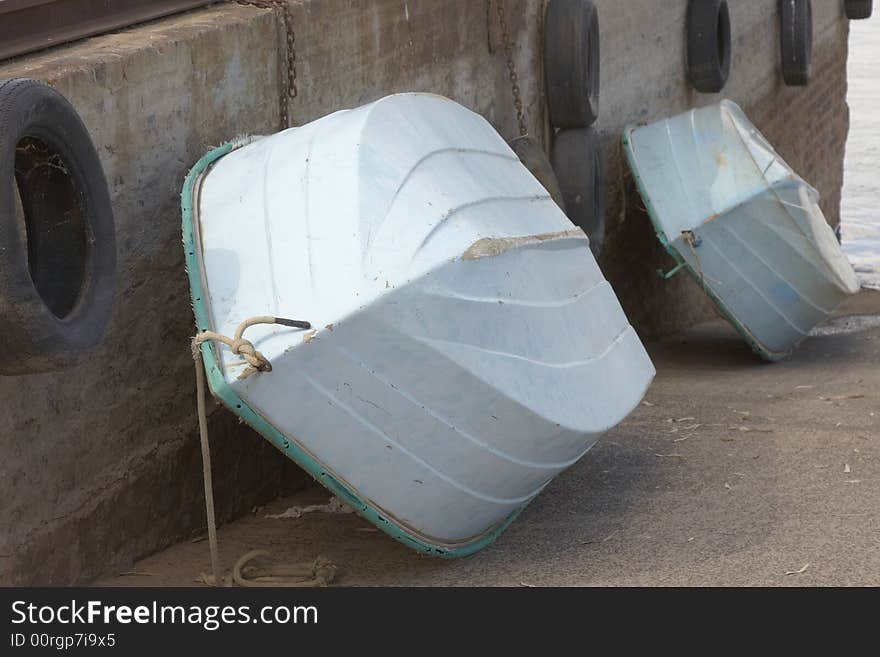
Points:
[(287, 64), (511, 66)]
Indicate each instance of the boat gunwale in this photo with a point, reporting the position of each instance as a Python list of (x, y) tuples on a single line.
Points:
[(296, 452)]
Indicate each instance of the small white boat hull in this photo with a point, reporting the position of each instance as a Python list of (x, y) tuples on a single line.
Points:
[(737, 217), (467, 347)]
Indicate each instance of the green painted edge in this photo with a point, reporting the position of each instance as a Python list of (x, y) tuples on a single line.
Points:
[(221, 390), (753, 342)]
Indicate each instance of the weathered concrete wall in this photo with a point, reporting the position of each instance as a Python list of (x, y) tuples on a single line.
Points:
[(99, 465), (353, 52)]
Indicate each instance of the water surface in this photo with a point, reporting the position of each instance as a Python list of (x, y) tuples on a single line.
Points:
[(860, 219)]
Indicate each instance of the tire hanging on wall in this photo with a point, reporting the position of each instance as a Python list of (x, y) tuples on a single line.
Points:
[(57, 237), (858, 9), (535, 160), (708, 44), (577, 160), (796, 22), (571, 63)]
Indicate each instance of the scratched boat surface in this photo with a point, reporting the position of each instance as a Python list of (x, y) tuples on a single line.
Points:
[(740, 220), (467, 347)]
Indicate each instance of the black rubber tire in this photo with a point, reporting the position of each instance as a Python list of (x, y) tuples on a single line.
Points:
[(796, 22), (571, 63), (708, 44), (58, 253), (858, 9), (533, 157), (577, 161)]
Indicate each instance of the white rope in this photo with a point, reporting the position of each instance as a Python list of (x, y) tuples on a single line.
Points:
[(318, 573)]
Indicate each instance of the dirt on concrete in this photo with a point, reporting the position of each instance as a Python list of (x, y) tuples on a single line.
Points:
[(733, 471)]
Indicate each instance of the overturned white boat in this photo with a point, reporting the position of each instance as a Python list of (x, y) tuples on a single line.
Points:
[(466, 347), (740, 220)]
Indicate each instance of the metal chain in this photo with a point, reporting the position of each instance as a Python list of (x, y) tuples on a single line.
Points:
[(546, 129), (511, 67), (288, 81)]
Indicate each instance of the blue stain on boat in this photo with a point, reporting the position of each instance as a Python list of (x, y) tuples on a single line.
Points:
[(731, 212)]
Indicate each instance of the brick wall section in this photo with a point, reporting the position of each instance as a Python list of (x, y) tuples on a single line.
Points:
[(810, 126)]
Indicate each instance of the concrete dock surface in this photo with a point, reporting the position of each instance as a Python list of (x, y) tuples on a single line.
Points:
[(733, 471)]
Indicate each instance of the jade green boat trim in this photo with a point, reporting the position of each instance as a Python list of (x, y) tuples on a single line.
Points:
[(222, 391), (680, 262)]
